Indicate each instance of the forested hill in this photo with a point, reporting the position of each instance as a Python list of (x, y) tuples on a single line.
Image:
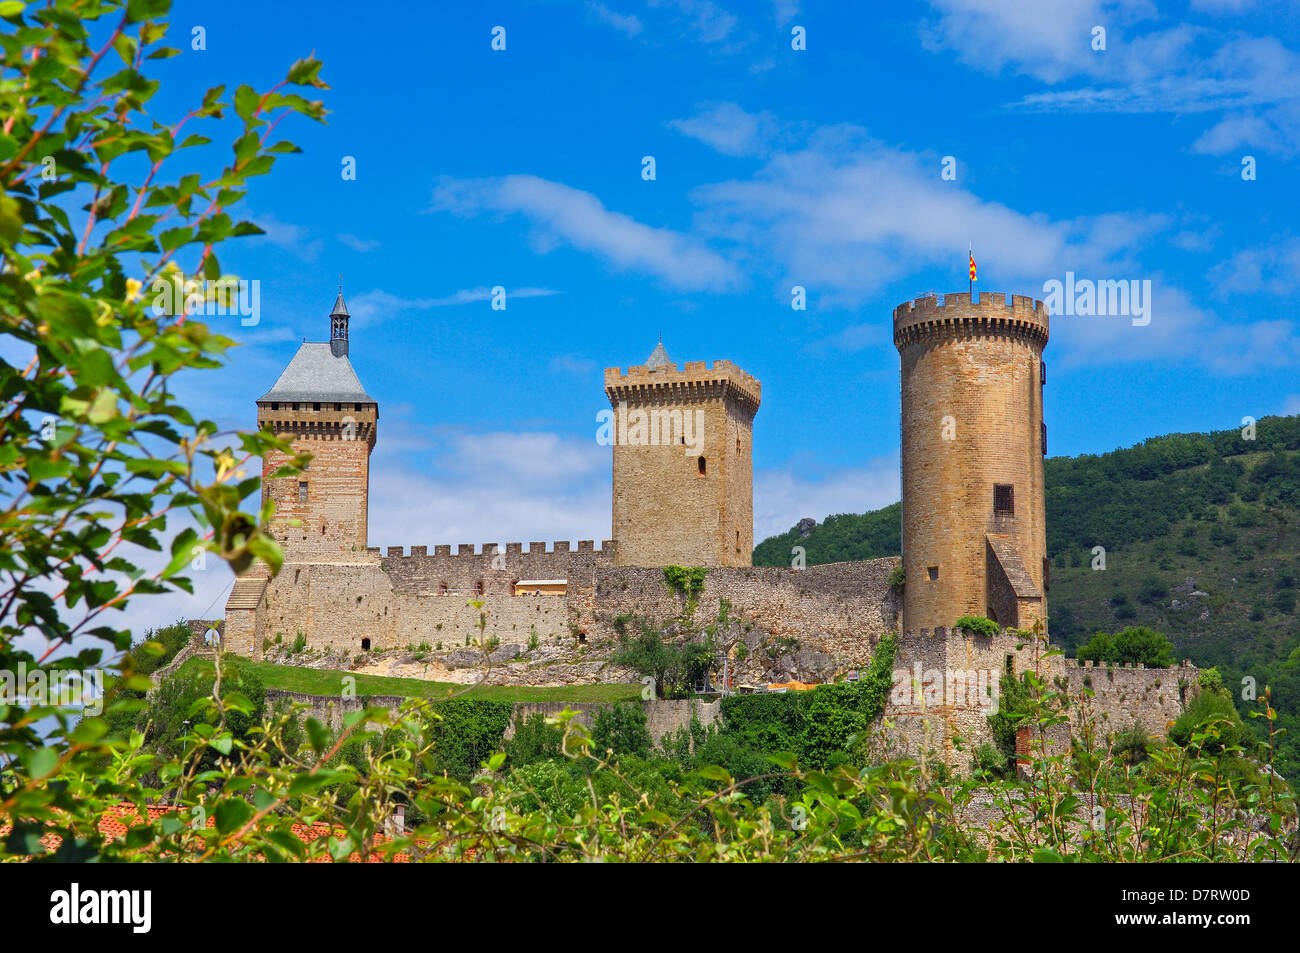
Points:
[(1202, 540)]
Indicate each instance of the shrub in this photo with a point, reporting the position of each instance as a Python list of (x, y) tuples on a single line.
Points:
[(1135, 644), (1130, 747), (534, 740), (978, 625), (622, 728), (464, 732), (1213, 711)]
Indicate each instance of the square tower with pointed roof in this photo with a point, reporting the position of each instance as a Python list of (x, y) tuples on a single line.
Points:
[(683, 465), (320, 407)]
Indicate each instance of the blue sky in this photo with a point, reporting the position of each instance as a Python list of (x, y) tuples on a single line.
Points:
[(775, 168)]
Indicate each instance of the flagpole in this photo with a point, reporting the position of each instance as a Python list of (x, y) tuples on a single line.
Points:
[(970, 282)]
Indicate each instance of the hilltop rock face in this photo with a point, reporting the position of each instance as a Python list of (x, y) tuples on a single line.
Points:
[(806, 526)]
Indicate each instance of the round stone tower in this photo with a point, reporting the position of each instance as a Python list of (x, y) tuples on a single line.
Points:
[(973, 442)]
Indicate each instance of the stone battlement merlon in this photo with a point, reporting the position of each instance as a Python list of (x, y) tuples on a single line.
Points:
[(560, 547), (960, 312), (696, 380)]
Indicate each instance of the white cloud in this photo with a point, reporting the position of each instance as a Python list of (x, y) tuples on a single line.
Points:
[(1273, 268), (358, 244), (495, 487), (565, 214), (785, 495), (295, 239), (728, 129), (572, 364), (700, 20), (1146, 67), (624, 23), (373, 307)]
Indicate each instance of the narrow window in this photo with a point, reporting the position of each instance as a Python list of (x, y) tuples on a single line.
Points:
[(1004, 499), (365, 645), (701, 465), (1042, 373), (737, 540), (1044, 439), (1010, 664), (275, 405), (933, 572), (738, 445), (338, 406), (302, 492), (315, 406)]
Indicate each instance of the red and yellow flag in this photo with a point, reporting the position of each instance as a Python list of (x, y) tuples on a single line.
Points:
[(972, 265)]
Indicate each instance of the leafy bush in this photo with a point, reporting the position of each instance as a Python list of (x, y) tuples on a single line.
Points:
[(977, 625), (1210, 711), (1137, 645), (534, 740), (464, 732), (622, 729)]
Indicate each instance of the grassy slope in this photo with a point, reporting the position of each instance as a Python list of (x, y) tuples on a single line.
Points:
[(325, 682)]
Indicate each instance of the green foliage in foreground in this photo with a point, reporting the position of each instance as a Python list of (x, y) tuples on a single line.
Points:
[(1192, 802)]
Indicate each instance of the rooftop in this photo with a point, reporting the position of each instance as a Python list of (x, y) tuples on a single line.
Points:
[(316, 374)]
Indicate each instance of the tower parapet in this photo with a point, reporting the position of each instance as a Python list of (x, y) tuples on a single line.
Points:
[(696, 380), (963, 313)]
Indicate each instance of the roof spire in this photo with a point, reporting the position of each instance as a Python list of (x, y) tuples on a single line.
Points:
[(339, 325), (659, 357)]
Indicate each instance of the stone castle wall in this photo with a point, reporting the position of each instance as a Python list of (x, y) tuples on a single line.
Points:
[(940, 702), (827, 618), (663, 716), (840, 610)]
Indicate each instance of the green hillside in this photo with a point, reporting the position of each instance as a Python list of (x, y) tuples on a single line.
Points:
[(1202, 541)]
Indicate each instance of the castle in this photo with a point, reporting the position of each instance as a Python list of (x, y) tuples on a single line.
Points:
[(974, 540)]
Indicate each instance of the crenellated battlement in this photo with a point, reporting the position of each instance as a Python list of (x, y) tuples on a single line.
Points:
[(966, 313), (696, 380), (539, 548), (1089, 663)]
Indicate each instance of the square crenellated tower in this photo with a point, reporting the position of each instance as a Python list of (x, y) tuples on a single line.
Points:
[(319, 405), (683, 464)]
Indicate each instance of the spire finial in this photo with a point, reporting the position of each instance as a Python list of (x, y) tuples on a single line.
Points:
[(339, 325)]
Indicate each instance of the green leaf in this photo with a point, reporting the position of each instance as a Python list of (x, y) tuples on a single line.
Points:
[(137, 10), (11, 220), (231, 814), (318, 735), (246, 100)]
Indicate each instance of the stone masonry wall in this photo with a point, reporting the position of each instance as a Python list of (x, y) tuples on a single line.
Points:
[(663, 716), (940, 695), (835, 613), (1151, 698), (836, 610)]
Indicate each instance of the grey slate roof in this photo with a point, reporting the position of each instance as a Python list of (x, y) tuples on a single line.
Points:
[(316, 374), (340, 309), (659, 357)]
